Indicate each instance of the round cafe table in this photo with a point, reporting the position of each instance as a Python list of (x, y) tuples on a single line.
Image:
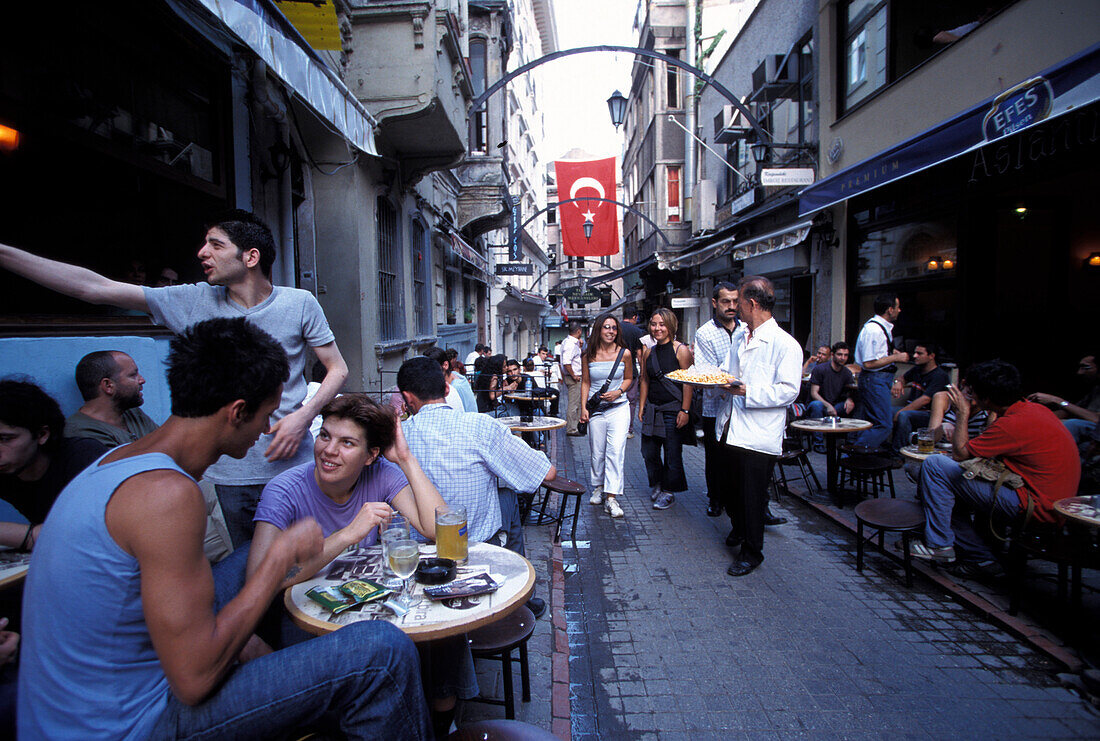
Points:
[(538, 424), (428, 619), (842, 427), (13, 567), (910, 451), (1083, 519)]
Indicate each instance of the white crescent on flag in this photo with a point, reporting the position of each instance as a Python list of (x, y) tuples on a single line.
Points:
[(581, 183)]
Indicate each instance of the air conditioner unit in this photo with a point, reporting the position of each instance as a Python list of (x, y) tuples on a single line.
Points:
[(704, 205), (773, 79), (730, 124)]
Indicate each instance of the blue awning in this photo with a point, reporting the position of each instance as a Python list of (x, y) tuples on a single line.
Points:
[(1065, 87)]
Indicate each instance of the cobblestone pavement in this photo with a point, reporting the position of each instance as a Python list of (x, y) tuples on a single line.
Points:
[(664, 645)]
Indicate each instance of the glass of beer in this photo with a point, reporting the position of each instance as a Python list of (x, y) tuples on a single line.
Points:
[(926, 440), (450, 533)]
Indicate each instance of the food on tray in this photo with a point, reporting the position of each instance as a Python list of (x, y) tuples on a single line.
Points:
[(690, 375)]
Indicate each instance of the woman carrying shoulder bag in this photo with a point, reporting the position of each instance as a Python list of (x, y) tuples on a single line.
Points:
[(664, 409), (606, 373)]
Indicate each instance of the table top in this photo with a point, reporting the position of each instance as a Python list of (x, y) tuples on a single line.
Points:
[(538, 424), (524, 396), (429, 619), (13, 567), (910, 451), (842, 426), (890, 514), (1080, 509)]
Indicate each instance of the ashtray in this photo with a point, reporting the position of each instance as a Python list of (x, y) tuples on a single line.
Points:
[(435, 570)]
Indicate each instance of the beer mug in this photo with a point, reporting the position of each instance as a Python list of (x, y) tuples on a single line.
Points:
[(450, 533), (924, 439)]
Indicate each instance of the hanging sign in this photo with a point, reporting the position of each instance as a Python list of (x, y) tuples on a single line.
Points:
[(580, 295), (787, 176), (514, 268), (515, 250)]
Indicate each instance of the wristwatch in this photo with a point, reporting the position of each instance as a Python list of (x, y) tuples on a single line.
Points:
[(685, 411), (1063, 403)]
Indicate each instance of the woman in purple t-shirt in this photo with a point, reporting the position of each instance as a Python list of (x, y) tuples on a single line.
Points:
[(362, 472)]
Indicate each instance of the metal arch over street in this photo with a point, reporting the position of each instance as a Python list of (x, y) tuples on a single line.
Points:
[(479, 101), (629, 208)]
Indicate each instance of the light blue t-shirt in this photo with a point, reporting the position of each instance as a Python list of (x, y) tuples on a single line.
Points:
[(88, 668), (290, 315), (294, 495), (462, 386)]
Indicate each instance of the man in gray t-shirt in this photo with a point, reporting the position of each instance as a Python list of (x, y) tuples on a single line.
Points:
[(236, 256)]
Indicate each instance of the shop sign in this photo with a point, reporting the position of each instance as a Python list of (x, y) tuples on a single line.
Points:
[(514, 268), (580, 295), (743, 201), (686, 303), (787, 176), (1019, 107), (515, 250)]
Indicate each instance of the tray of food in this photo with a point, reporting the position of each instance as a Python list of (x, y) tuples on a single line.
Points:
[(706, 378)]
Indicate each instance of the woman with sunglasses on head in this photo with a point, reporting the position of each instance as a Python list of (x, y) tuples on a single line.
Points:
[(664, 409), (606, 372)]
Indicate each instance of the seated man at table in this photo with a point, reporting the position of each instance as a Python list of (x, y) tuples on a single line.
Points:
[(1030, 440), (465, 454), (831, 390), (156, 643), (1079, 418), (110, 383), (924, 380), (36, 462), (819, 356)]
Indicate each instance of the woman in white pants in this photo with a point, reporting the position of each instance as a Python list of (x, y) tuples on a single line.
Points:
[(606, 373)]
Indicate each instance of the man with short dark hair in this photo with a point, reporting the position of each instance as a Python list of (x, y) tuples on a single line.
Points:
[(1026, 437), (237, 254), (767, 363), (925, 379), (819, 356), (711, 348), (36, 462), (831, 389), (466, 454), (110, 383), (454, 398), (571, 375), (478, 351), (1080, 418), (876, 355), (632, 338), (182, 659)]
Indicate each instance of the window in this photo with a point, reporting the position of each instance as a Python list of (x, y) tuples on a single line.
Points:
[(552, 216), (672, 80), (674, 194), (422, 273), (479, 71), (864, 49), (391, 316)]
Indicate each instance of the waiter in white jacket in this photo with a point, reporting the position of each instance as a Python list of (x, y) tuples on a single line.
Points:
[(768, 364)]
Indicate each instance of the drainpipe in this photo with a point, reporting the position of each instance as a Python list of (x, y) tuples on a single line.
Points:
[(689, 104), (268, 106)]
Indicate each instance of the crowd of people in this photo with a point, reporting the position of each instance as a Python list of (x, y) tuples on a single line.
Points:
[(114, 505)]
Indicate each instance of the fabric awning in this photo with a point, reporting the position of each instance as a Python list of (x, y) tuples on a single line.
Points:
[(527, 297), (762, 244), (1054, 92), (463, 250), (622, 272), (264, 29)]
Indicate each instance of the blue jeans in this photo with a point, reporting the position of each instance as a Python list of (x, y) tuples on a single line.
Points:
[(238, 505), (874, 404), (509, 515), (669, 474), (906, 423), (1080, 429), (951, 501), (365, 677)]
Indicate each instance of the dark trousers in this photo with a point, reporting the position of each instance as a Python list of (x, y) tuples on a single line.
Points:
[(716, 460), (669, 473), (747, 498)]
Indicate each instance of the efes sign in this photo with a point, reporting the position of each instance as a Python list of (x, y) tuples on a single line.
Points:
[(1017, 108)]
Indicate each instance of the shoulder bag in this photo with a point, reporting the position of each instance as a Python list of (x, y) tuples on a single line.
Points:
[(594, 403)]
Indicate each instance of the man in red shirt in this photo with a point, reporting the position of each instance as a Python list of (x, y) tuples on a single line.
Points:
[(1030, 440)]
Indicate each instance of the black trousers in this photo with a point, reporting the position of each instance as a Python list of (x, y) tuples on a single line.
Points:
[(716, 457), (746, 502)]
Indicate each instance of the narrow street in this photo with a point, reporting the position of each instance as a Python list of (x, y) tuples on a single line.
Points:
[(663, 644)]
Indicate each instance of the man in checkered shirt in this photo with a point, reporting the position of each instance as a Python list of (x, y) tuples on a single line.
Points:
[(465, 453)]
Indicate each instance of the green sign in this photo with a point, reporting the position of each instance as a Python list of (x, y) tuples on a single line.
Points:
[(579, 295)]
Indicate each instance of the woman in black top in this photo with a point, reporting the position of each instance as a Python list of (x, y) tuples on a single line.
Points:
[(488, 381), (663, 409)]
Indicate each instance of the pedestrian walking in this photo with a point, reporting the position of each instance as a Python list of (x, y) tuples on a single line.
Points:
[(570, 358), (768, 363), (607, 367), (664, 410)]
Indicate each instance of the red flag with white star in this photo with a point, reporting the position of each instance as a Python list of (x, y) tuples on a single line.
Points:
[(588, 179)]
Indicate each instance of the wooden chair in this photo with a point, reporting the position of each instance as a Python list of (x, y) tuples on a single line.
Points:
[(497, 641)]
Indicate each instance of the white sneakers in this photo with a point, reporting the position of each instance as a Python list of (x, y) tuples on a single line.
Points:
[(597, 496), (613, 508)]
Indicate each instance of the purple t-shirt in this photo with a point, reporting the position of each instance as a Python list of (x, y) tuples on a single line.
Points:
[(294, 495)]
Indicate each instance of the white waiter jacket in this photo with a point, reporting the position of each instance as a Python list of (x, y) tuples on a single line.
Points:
[(770, 367)]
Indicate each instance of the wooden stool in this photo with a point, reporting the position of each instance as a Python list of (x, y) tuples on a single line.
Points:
[(796, 455), (889, 515), (870, 474), (565, 489), (496, 641), (501, 730)]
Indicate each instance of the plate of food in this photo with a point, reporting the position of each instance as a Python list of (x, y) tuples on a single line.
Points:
[(707, 378)]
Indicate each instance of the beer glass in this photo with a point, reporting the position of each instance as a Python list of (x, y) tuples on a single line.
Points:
[(450, 533), (925, 439)]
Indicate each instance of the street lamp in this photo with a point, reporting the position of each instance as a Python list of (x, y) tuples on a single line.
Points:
[(587, 230), (616, 104), (759, 152)]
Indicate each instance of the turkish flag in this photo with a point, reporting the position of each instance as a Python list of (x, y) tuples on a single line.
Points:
[(593, 179)]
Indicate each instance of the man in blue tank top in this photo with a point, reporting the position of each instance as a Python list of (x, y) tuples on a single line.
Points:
[(152, 642)]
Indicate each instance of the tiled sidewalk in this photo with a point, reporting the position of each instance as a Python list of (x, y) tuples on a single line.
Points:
[(664, 645)]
